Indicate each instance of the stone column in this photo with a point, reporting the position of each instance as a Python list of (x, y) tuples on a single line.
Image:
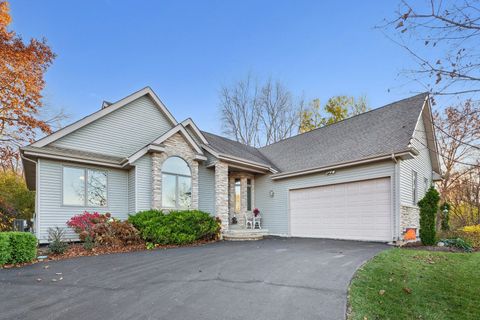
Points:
[(157, 161), (221, 193), (194, 168)]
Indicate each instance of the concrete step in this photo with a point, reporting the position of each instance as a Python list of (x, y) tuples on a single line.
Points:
[(244, 234)]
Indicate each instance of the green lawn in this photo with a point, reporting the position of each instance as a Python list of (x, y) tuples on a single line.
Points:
[(417, 285)]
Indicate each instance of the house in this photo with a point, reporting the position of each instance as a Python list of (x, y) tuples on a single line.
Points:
[(358, 179)]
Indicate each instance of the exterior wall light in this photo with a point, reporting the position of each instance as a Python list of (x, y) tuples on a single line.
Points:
[(272, 194)]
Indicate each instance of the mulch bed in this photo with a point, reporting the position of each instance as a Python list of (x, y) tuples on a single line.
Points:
[(77, 250), (419, 246)]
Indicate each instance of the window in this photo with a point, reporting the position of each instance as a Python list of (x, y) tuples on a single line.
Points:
[(176, 184), (414, 188), (237, 195), (84, 187), (249, 195)]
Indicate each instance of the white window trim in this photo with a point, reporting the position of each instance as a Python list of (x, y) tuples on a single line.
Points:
[(85, 173)]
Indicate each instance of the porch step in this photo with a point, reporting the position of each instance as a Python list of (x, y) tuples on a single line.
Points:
[(244, 234)]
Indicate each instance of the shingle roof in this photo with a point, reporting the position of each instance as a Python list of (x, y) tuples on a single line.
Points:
[(378, 132), (72, 153), (233, 148)]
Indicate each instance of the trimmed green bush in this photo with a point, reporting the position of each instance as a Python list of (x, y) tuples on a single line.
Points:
[(4, 248), (17, 247), (176, 227), (428, 211)]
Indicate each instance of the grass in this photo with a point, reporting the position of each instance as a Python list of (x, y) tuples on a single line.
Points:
[(416, 284)]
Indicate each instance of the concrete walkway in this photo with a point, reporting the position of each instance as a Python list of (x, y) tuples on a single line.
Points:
[(275, 278)]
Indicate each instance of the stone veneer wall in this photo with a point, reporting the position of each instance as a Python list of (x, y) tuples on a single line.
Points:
[(221, 193), (409, 218), (174, 146)]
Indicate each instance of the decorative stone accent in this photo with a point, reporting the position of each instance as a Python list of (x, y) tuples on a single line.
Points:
[(409, 218), (174, 146), (221, 193)]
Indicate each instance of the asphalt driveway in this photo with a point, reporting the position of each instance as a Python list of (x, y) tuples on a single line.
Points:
[(269, 279)]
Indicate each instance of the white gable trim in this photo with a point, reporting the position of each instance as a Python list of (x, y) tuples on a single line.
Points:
[(179, 129), (137, 155), (427, 118), (189, 122), (103, 112), (156, 145)]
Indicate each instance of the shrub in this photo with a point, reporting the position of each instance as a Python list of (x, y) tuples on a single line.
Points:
[(83, 223), (176, 227), (23, 247), (471, 234), (5, 250), (115, 233), (88, 243), (428, 210), (458, 243), (56, 237)]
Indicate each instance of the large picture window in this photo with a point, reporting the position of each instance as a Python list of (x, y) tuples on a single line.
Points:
[(176, 184), (84, 187)]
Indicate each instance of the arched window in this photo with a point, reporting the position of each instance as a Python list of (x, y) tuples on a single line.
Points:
[(176, 184)]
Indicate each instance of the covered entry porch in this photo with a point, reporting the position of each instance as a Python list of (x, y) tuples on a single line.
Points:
[(235, 199)]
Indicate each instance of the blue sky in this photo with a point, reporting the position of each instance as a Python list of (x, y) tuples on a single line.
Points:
[(186, 50)]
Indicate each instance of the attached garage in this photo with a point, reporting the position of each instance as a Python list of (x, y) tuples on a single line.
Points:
[(360, 210)]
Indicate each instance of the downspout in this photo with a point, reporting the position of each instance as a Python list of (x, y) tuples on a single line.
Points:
[(396, 233), (35, 214)]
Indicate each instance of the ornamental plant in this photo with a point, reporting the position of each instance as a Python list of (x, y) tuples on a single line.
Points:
[(83, 223), (256, 212), (472, 234), (428, 210)]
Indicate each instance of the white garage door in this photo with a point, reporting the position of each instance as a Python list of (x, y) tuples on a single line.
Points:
[(356, 210)]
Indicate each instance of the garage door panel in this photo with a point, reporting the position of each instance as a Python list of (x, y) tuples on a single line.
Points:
[(358, 210)]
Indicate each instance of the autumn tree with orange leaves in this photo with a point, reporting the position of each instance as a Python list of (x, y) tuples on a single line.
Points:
[(22, 69)]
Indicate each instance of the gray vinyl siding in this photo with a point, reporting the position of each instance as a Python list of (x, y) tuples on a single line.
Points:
[(206, 189), (421, 164), (131, 191), (51, 212), (274, 210), (120, 133), (144, 182)]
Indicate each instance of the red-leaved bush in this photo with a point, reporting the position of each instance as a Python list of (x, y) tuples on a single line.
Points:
[(83, 223), (104, 230)]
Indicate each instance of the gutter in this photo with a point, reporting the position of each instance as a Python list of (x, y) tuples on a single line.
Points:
[(410, 152), (74, 159)]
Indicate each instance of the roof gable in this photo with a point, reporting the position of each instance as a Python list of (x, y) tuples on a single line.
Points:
[(156, 145), (147, 91)]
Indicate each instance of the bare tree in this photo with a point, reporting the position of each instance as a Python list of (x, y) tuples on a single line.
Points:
[(443, 37), (279, 116), (258, 114), (240, 108), (458, 137)]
